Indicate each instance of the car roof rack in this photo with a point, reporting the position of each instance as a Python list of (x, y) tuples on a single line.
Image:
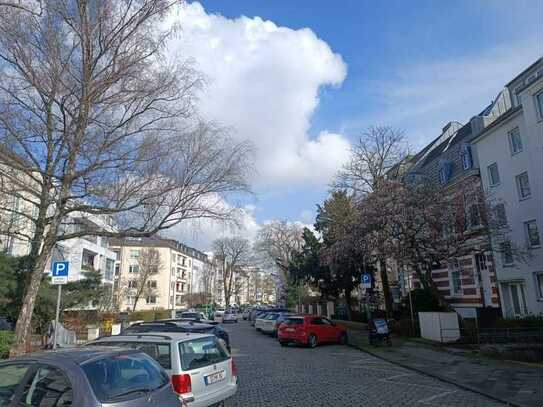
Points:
[(138, 335)]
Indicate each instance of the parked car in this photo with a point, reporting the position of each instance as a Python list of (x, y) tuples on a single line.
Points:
[(219, 312), (271, 323), (246, 313), (310, 331), (85, 377), (230, 316), (259, 321), (193, 315), (255, 315), (202, 371), (179, 326)]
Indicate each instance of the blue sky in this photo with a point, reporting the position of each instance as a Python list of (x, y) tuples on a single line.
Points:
[(412, 65)]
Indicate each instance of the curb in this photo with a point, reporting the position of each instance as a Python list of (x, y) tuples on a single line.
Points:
[(441, 378)]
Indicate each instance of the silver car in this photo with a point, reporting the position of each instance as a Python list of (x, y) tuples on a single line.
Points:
[(202, 371), (85, 377)]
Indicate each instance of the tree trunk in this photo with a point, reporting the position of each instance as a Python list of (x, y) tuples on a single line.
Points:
[(37, 264), (386, 287), (348, 302)]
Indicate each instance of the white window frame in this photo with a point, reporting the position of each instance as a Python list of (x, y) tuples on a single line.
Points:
[(467, 157), (148, 299), (521, 289), (455, 267), (510, 136), (130, 268), (539, 104), (519, 187), (538, 284), (134, 253), (503, 256), (489, 173), (527, 233)]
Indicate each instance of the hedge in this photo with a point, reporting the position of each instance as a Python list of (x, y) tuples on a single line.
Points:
[(7, 338)]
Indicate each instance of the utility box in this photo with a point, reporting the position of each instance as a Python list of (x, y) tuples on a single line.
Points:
[(439, 326)]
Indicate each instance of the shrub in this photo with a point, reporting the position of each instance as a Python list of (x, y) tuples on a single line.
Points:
[(7, 339)]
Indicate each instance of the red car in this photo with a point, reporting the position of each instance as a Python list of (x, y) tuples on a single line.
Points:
[(310, 330)]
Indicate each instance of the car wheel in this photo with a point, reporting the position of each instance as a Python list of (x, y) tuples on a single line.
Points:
[(343, 339), (312, 341), (282, 343)]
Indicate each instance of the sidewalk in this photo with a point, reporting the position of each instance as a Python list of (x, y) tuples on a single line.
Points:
[(519, 384)]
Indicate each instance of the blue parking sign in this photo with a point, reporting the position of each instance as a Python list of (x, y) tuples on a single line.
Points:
[(60, 269), (365, 280)]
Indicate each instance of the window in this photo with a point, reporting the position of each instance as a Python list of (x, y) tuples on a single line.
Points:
[(515, 143), (133, 268), (532, 234), (48, 388), (198, 353), (501, 216), (152, 284), (445, 171), (158, 351), (151, 299), (473, 216), (539, 103), (515, 299), (117, 377), (523, 186), (507, 253), (493, 174), (539, 284), (456, 277), (467, 157), (132, 284), (110, 266), (10, 376), (480, 260), (134, 254)]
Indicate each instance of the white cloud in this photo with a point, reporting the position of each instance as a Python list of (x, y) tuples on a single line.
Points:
[(200, 233), (422, 97), (263, 82)]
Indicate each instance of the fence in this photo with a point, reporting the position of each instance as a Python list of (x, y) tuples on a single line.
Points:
[(491, 336)]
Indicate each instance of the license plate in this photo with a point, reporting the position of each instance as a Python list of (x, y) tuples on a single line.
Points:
[(214, 377), (290, 330)]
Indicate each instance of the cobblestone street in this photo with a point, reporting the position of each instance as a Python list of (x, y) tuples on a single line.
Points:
[(331, 375)]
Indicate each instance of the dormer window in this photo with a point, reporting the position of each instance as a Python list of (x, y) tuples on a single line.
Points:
[(467, 157)]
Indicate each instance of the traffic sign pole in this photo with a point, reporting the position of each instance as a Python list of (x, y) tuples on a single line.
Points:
[(56, 317)]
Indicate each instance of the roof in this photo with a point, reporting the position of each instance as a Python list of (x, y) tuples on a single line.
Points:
[(154, 336), (526, 70), (503, 118), (157, 241), (75, 355)]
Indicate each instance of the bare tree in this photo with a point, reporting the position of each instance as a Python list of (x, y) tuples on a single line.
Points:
[(379, 151), (96, 121), (276, 243), (233, 253)]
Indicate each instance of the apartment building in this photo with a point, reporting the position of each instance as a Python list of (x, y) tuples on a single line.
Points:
[(171, 286), (510, 153), (467, 282)]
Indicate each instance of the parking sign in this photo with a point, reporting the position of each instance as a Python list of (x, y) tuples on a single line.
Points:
[(365, 281), (59, 272)]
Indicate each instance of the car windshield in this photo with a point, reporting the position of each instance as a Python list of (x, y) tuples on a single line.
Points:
[(124, 376), (158, 351), (201, 352), (294, 321), (272, 316)]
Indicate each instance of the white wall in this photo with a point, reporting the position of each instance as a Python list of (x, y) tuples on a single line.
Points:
[(494, 147)]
